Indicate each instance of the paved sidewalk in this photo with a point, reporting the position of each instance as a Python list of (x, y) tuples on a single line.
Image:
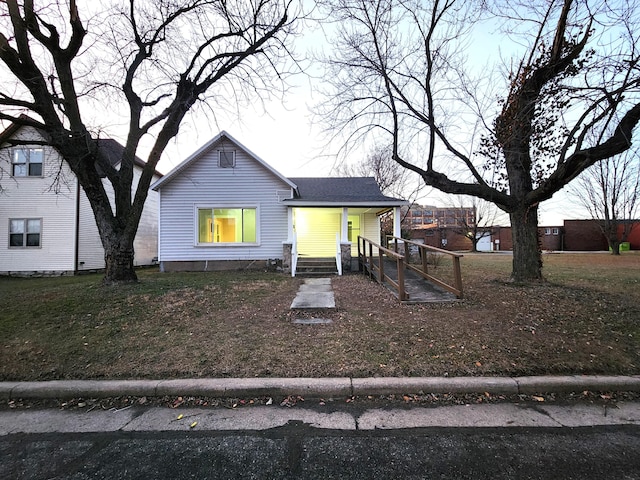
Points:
[(328, 416), (317, 387)]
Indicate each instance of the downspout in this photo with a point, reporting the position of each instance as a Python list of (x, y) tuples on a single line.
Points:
[(76, 253)]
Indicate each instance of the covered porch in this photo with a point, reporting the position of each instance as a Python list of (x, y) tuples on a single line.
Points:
[(325, 216), (326, 235)]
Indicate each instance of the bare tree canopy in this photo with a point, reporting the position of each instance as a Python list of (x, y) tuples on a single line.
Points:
[(392, 179), (63, 68), (567, 89)]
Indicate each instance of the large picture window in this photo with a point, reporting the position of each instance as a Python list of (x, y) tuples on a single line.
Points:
[(27, 162), (24, 232), (227, 225)]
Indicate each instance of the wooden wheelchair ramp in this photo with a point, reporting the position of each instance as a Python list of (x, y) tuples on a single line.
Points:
[(418, 289), (410, 281)]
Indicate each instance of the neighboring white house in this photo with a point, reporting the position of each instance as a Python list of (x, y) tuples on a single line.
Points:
[(225, 207), (47, 225)]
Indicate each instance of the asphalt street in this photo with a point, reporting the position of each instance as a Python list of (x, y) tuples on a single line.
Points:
[(502, 441)]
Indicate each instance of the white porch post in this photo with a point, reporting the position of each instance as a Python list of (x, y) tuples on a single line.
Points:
[(397, 220), (344, 231), (289, 224)]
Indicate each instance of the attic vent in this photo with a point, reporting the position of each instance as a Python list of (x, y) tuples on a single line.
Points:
[(226, 159), (283, 194)]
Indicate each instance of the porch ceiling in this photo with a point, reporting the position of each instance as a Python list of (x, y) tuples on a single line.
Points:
[(352, 210)]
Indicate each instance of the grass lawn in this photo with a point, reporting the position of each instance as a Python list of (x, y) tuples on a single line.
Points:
[(585, 319)]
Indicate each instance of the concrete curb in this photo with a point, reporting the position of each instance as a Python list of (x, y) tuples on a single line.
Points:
[(316, 387)]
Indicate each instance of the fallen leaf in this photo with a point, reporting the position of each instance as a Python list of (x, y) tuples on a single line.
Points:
[(538, 399)]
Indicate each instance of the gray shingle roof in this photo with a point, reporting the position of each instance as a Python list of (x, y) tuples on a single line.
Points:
[(342, 190)]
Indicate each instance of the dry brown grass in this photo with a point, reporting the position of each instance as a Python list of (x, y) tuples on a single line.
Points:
[(585, 319)]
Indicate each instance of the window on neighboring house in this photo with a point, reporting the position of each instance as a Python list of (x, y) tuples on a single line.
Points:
[(24, 232), (227, 159), (554, 231), (547, 231), (227, 225), (27, 162)]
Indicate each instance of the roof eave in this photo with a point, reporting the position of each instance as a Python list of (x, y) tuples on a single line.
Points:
[(186, 162), (311, 203)]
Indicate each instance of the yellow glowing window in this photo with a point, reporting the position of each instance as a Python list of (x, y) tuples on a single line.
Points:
[(227, 225)]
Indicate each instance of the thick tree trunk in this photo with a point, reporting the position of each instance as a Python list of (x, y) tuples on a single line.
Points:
[(614, 245), (527, 256), (118, 259)]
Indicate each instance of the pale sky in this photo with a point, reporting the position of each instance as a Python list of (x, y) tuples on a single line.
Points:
[(288, 140)]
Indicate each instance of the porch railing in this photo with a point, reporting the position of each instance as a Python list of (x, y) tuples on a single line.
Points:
[(373, 265), (422, 268)]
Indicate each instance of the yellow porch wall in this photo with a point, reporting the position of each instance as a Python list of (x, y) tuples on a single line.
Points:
[(316, 230)]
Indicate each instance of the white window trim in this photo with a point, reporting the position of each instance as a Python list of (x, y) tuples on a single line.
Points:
[(207, 206), (27, 163), (25, 246)]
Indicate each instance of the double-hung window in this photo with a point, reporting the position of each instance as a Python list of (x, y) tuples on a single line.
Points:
[(27, 162), (24, 232), (227, 226)]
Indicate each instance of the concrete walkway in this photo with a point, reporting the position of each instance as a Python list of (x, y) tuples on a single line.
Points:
[(314, 293)]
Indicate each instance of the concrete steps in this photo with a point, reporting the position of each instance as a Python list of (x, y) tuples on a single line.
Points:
[(316, 267)]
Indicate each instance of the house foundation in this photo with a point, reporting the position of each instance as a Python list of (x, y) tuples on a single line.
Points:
[(271, 264)]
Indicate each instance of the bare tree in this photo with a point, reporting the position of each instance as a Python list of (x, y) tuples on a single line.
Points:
[(569, 96), (156, 60), (391, 177), (485, 217), (610, 191)]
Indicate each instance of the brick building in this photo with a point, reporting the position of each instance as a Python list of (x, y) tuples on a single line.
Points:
[(444, 228), (418, 216), (447, 238), (574, 235)]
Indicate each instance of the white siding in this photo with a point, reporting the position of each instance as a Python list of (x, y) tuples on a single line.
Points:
[(203, 183), (90, 251), (30, 197), (145, 244)]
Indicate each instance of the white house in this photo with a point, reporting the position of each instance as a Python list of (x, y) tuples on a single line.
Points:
[(45, 218), (224, 207)]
